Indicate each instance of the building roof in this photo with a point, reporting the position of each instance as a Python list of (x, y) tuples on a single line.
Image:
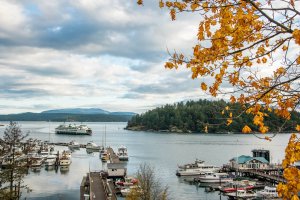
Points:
[(116, 166), (243, 159)]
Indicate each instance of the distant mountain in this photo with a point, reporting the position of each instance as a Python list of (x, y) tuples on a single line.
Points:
[(71, 114), (123, 113), (82, 111)]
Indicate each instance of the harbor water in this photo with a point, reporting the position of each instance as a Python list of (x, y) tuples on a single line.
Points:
[(163, 151)]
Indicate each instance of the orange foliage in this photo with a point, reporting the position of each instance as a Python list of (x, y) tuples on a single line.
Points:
[(240, 43)]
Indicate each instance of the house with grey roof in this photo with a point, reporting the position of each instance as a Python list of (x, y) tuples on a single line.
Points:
[(249, 162), (116, 170)]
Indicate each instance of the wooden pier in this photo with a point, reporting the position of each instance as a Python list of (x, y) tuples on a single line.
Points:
[(264, 175), (97, 186), (272, 175)]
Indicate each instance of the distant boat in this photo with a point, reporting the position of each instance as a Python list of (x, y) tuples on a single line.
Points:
[(194, 169), (50, 161), (73, 129), (74, 145), (212, 177), (92, 146), (268, 192), (122, 153), (241, 194)]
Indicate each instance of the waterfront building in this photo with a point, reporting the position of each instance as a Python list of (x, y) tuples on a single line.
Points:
[(249, 162), (116, 170)]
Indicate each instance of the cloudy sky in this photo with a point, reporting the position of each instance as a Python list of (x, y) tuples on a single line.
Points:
[(91, 53)]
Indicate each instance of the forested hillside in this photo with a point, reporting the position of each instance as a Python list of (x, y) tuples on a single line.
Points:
[(194, 116)]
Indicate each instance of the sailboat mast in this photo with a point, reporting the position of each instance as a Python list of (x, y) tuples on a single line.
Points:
[(105, 135)]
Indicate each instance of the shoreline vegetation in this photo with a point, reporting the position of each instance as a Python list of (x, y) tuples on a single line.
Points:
[(195, 116)]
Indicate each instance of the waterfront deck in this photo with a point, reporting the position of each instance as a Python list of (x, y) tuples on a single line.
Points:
[(272, 175)]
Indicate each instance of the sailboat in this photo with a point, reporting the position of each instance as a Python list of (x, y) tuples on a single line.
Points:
[(51, 146), (103, 152)]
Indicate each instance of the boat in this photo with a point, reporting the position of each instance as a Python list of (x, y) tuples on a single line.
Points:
[(92, 146), (129, 181), (73, 129), (36, 162), (50, 160), (122, 153), (268, 192), (212, 177), (67, 153), (65, 159), (104, 155), (195, 169), (241, 194), (74, 145), (237, 185)]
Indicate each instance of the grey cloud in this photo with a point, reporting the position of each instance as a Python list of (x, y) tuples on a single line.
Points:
[(82, 29), (22, 93), (167, 87), (133, 95), (38, 70)]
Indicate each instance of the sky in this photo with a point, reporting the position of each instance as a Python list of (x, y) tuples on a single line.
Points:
[(92, 53)]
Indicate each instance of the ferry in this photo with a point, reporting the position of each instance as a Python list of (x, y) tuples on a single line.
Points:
[(73, 129)]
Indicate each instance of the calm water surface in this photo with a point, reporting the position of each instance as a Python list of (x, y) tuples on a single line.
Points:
[(162, 150)]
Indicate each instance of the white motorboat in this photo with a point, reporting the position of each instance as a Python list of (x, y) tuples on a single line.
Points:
[(268, 192), (50, 160), (65, 159), (74, 145), (195, 169), (122, 153), (67, 153), (92, 146), (212, 177), (36, 162), (241, 194)]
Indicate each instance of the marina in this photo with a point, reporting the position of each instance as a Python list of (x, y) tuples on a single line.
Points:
[(225, 148)]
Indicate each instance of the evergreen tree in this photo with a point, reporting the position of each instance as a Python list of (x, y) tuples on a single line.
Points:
[(11, 177)]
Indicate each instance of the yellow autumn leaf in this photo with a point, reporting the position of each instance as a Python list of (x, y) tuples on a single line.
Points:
[(246, 129), (284, 48), (203, 86), (161, 4), (140, 2), (296, 35), (229, 121), (169, 65), (173, 14), (298, 127)]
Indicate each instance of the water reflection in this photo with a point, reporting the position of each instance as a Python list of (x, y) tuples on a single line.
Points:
[(36, 170), (163, 151), (64, 169)]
